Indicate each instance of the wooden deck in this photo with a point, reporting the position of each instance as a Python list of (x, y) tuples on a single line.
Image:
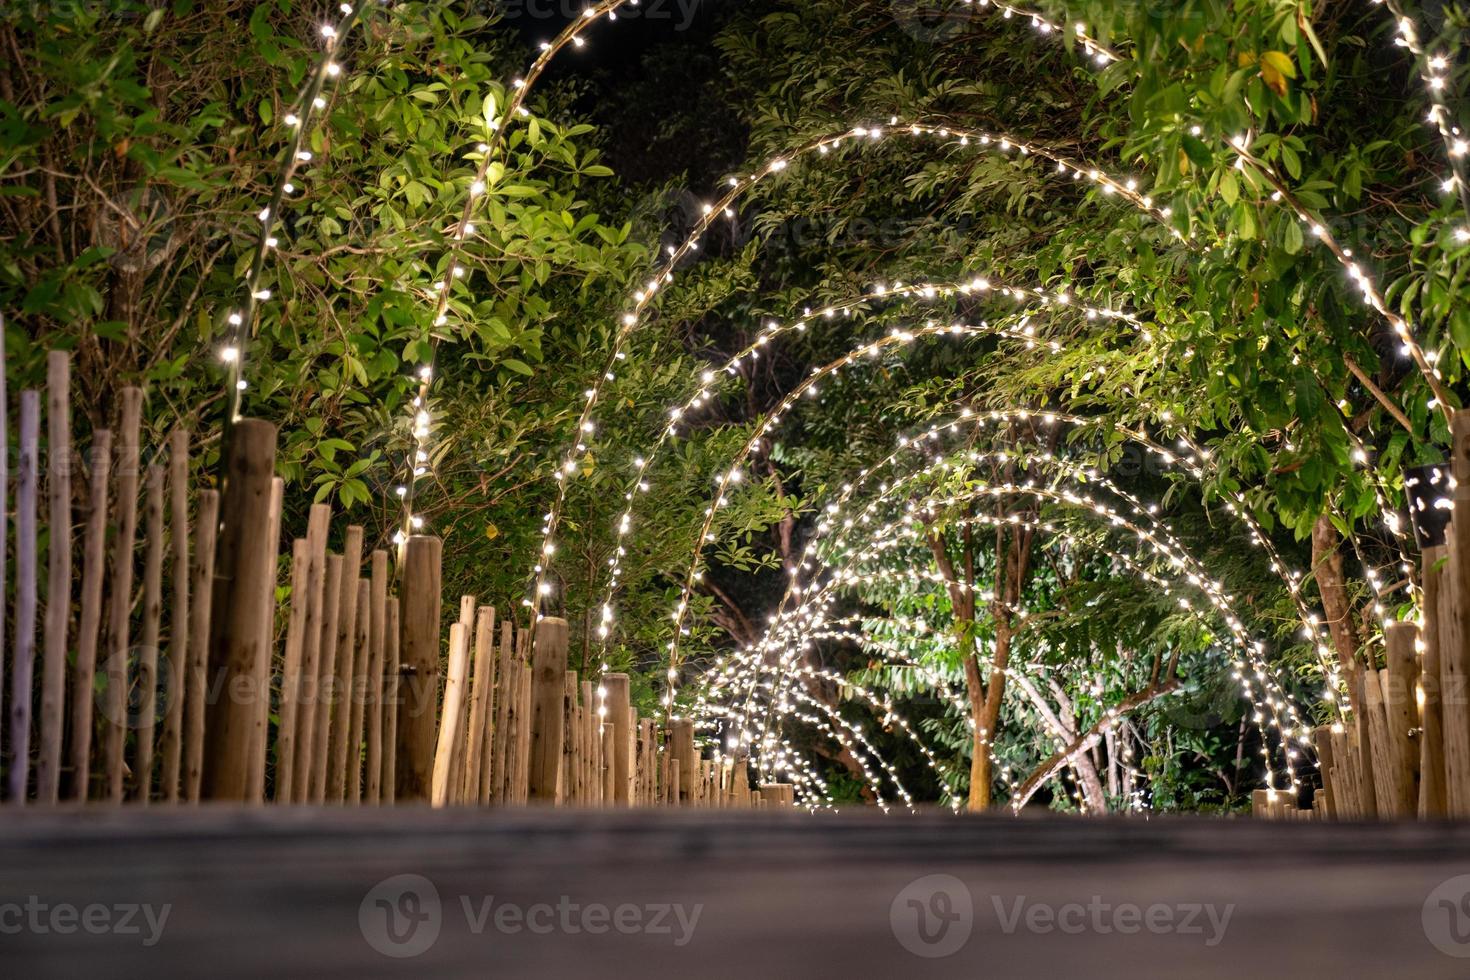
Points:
[(279, 892)]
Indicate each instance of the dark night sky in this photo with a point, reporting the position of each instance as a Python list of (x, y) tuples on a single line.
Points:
[(640, 76)]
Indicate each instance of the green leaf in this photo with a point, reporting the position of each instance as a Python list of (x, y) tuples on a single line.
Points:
[(1292, 236)]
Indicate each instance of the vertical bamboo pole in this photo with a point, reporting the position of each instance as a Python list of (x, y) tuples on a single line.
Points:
[(25, 596), (243, 595), (419, 680), (504, 699), (291, 671), (264, 664), (58, 583), (1454, 648), (681, 743), (1363, 748), (390, 701), (449, 718), (201, 622), (178, 620), (591, 777), (467, 606), (118, 634), (344, 668), (1331, 797), (377, 646), (1432, 800), (305, 747), (648, 761), (567, 788), (357, 697), (740, 784), (492, 704), (549, 664), (620, 719), (1346, 750), (1399, 686), (523, 747), (609, 752), (668, 772), (325, 678), (1378, 750), (481, 696), (148, 647), (94, 568)]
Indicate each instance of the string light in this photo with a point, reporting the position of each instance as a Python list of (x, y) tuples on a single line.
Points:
[(241, 323)]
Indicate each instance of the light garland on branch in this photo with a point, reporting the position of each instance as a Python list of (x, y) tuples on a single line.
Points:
[(421, 423), (641, 300), (846, 577), (974, 286), (889, 536), (310, 104), (1436, 72)]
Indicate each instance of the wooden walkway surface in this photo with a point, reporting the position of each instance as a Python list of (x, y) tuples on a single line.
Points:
[(290, 893)]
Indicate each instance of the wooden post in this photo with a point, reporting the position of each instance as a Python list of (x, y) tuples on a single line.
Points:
[(201, 622), (1260, 803), (1329, 799), (523, 742), (647, 754), (244, 580), (377, 645), (390, 702), (305, 748), (291, 685), (591, 772), (259, 748), (481, 698), (549, 664), (418, 681), (740, 784), (178, 621), (568, 790), (94, 568), (1433, 802), (620, 720), (1380, 754), (357, 690), (609, 750), (449, 733), (341, 702), (115, 726), (667, 771), (1363, 748), (1454, 649), (1344, 757), (25, 595), (148, 647), (1399, 688), (487, 733), (460, 749), (321, 710), (505, 678), (58, 583), (681, 744)]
